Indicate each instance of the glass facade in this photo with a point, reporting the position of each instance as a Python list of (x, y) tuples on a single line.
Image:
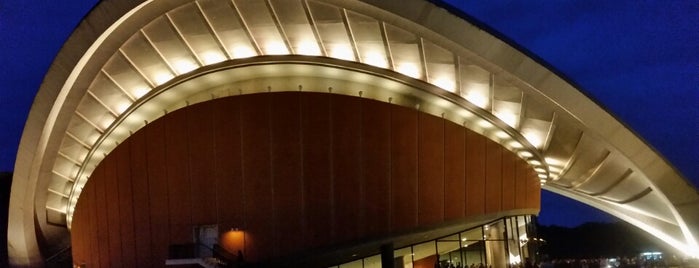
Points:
[(500, 243)]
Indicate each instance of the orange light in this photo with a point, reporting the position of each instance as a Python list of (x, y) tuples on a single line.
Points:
[(233, 241)]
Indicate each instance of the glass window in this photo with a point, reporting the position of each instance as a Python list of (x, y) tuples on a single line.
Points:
[(494, 231), (404, 255), (501, 243), (372, 262), (354, 264), (513, 240), (425, 254), (473, 247), (449, 251)]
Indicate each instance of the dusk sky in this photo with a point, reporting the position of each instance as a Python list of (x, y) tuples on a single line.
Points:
[(638, 59)]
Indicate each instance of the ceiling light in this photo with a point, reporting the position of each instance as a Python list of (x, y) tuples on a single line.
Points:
[(525, 154)]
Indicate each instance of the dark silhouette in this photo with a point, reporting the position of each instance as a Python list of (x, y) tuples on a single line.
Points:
[(595, 240)]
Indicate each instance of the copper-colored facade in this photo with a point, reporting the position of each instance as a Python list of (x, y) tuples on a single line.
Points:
[(294, 171)]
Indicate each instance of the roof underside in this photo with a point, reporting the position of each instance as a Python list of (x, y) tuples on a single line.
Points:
[(149, 55)]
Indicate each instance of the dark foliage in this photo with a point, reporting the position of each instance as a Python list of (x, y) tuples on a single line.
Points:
[(594, 240)]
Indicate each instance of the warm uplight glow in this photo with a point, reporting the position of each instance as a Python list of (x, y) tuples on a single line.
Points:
[(525, 154), (501, 134), (540, 170), (509, 118), (445, 83), (342, 52), (555, 169), (534, 162), (554, 162), (485, 124), (515, 144), (533, 138), (309, 48), (465, 114), (241, 51), (276, 48), (376, 59), (139, 92), (409, 69), (212, 57), (515, 259), (184, 66), (690, 249), (477, 99), (106, 122), (162, 78), (233, 241), (121, 107), (543, 176)]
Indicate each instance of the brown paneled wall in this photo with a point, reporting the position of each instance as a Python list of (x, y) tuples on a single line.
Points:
[(293, 171)]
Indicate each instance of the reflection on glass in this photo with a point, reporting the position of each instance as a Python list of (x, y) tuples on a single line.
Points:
[(372, 262), (502, 243), (449, 250), (424, 255), (404, 256)]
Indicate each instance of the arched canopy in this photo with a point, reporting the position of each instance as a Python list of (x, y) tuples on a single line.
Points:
[(129, 62)]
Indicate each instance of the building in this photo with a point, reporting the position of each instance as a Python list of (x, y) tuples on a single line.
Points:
[(314, 126)]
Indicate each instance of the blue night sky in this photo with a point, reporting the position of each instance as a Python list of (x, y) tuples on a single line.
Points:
[(638, 59)]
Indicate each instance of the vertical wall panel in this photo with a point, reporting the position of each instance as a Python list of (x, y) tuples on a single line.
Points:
[(178, 179), (123, 172), (521, 170), (112, 209), (403, 167), (94, 222), (454, 171), (533, 189), (287, 171), (430, 169), (102, 226), (376, 148), (346, 147), (508, 180), (289, 167), (141, 198), (201, 173), (318, 201), (475, 173), (493, 177), (257, 181), (227, 163), (158, 190), (76, 239), (80, 237)]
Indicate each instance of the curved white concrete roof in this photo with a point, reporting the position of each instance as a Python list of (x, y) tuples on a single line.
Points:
[(129, 62)]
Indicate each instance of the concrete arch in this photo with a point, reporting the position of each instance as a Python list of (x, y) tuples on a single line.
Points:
[(579, 150)]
